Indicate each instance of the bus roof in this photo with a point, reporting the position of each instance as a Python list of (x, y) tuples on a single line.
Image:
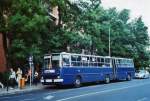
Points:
[(87, 55)]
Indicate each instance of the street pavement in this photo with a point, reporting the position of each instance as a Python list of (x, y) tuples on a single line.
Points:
[(135, 90)]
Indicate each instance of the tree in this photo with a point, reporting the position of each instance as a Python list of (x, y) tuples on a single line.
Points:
[(29, 23), (140, 42), (81, 25), (5, 12)]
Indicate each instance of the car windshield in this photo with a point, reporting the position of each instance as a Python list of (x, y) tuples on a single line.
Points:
[(141, 71)]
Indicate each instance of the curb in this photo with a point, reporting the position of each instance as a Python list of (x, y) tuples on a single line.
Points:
[(20, 91)]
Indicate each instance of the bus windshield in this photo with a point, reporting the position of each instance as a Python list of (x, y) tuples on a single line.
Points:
[(47, 62), (55, 60)]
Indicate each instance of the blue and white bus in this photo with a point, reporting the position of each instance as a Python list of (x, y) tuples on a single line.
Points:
[(70, 68)]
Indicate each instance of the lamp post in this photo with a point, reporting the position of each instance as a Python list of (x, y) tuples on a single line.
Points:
[(110, 49), (109, 43), (31, 69)]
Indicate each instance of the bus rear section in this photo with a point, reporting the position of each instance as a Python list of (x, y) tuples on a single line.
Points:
[(124, 68)]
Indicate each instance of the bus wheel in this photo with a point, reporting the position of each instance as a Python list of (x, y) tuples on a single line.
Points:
[(107, 79), (77, 82), (128, 77)]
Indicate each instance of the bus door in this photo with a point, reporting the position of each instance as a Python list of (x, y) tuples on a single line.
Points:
[(114, 66)]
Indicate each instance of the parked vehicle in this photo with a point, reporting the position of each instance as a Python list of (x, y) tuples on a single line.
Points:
[(142, 74)]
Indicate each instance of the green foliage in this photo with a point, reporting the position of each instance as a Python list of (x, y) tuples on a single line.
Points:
[(29, 23), (81, 25)]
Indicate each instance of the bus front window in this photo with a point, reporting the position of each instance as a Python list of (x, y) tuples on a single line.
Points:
[(47, 63), (55, 61)]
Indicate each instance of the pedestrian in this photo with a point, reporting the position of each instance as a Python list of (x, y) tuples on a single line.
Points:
[(29, 74), (36, 77), (26, 77), (19, 76), (12, 78), (1, 85)]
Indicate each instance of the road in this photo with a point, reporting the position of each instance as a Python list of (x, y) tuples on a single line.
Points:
[(135, 90)]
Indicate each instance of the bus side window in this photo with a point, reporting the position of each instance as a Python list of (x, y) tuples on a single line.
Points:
[(98, 62), (107, 62), (95, 62), (90, 62), (119, 63), (65, 60), (73, 61), (79, 61), (102, 62), (84, 60)]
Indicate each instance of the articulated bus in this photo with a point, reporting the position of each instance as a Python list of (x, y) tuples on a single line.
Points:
[(70, 68)]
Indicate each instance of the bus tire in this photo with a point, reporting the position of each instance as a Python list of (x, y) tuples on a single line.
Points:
[(77, 82), (128, 77), (107, 79)]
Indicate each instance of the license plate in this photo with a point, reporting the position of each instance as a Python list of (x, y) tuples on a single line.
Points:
[(48, 80), (49, 71)]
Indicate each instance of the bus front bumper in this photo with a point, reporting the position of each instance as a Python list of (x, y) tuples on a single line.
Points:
[(51, 80)]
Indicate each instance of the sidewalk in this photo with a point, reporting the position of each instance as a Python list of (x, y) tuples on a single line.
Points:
[(16, 90)]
